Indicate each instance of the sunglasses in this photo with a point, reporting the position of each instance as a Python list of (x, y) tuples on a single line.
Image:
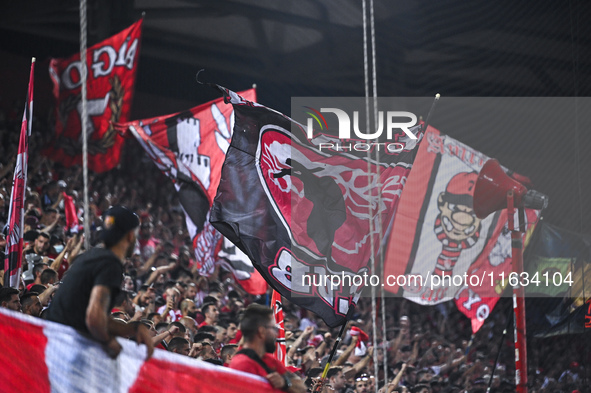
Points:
[(363, 377)]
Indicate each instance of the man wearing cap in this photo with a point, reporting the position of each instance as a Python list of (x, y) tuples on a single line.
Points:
[(88, 291)]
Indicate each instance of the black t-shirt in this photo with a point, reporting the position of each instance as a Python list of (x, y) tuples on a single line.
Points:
[(98, 266)]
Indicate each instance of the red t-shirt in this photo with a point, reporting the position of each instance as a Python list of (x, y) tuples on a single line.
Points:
[(62, 269), (236, 339), (244, 363)]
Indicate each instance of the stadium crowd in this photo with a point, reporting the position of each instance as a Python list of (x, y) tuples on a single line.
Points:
[(427, 349)]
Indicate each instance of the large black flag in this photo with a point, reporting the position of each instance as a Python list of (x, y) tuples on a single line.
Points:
[(302, 213)]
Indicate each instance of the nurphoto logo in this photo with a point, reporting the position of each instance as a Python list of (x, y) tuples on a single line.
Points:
[(392, 127)]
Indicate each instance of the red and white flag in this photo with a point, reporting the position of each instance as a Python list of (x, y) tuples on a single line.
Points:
[(112, 66), (14, 240), (43, 356), (189, 147), (280, 347), (438, 249)]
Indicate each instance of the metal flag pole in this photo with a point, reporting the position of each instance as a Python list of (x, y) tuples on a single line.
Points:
[(320, 383), (492, 374), (84, 115), (435, 101), (518, 293)]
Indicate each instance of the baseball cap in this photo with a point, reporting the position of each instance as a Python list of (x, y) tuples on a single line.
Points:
[(117, 221)]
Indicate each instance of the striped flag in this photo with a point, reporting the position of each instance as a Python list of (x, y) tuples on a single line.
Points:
[(14, 240), (280, 347)]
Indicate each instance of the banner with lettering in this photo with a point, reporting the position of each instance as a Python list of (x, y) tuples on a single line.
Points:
[(111, 66)]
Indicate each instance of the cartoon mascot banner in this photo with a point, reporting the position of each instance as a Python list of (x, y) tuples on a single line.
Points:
[(438, 249)]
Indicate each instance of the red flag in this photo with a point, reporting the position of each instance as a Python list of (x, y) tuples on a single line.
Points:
[(277, 306), (112, 66), (14, 240), (71, 216)]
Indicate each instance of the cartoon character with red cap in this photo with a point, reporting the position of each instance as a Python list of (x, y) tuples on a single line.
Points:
[(456, 226)]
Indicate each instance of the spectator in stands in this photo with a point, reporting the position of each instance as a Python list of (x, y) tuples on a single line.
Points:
[(170, 311), (9, 299), (362, 383), (31, 223), (206, 340), (231, 331), (260, 333), (227, 353), (190, 324), (179, 345), (147, 242), (86, 295), (52, 195), (38, 268), (145, 297), (211, 314), (31, 304), (188, 308), (191, 291), (49, 219), (123, 304), (48, 276), (40, 246), (337, 379)]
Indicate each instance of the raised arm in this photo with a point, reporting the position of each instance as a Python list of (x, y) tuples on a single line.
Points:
[(347, 352), (76, 249), (57, 262)]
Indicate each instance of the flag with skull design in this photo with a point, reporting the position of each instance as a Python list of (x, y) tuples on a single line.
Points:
[(307, 218)]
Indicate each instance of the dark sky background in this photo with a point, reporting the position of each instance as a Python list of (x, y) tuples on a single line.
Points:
[(315, 48)]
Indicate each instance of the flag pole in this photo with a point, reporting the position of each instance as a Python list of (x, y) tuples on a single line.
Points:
[(84, 115), (330, 357), (435, 101), (492, 374), (518, 294)]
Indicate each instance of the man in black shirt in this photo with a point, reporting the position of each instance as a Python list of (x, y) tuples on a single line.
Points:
[(88, 291)]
